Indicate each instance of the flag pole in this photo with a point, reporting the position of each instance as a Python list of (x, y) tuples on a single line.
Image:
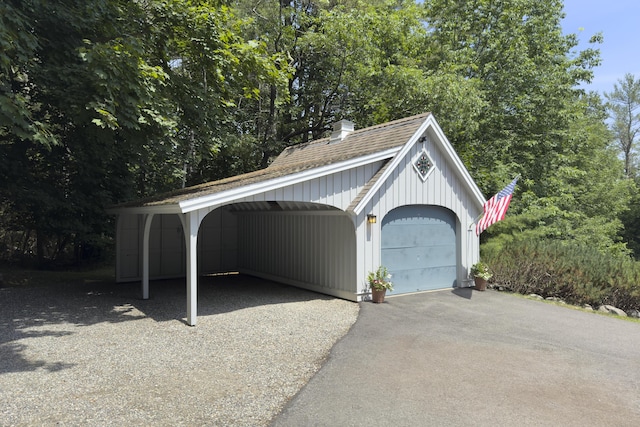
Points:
[(475, 220)]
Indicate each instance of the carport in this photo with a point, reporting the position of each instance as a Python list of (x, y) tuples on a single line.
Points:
[(319, 217)]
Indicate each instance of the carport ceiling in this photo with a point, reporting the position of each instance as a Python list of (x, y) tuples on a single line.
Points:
[(280, 206)]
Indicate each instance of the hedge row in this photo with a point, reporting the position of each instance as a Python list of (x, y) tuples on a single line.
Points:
[(575, 273)]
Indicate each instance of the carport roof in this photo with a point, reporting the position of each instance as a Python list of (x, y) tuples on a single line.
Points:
[(299, 158)]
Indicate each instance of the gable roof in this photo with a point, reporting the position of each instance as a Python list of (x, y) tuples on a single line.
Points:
[(295, 164), (440, 140)]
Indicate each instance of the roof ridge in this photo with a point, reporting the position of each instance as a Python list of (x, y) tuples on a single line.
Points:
[(391, 123), (356, 132)]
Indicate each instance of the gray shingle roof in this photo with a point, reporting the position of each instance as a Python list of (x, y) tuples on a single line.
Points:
[(358, 143), (301, 157)]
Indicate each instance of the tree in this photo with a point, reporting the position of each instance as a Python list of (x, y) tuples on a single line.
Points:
[(79, 88), (534, 119), (522, 62), (102, 101), (589, 195), (624, 109), (631, 221), (17, 57), (361, 60), (212, 71)]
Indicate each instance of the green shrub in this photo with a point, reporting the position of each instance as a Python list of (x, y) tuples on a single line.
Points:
[(577, 273)]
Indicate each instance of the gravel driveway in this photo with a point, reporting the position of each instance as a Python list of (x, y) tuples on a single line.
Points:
[(98, 355)]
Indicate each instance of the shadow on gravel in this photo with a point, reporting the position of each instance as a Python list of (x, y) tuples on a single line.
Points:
[(217, 294), (42, 312)]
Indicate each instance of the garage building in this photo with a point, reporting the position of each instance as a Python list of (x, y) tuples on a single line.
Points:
[(320, 217)]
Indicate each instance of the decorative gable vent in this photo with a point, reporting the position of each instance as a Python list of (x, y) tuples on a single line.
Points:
[(340, 130), (423, 164)]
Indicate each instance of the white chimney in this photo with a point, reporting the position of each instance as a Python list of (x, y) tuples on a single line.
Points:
[(340, 130)]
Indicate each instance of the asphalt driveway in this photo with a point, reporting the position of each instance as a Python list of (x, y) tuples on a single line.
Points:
[(475, 358)]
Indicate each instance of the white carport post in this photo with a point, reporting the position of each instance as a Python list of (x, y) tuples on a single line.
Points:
[(191, 224), (147, 219)]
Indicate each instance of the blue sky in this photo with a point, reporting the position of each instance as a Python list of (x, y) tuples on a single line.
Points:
[(619, 22)]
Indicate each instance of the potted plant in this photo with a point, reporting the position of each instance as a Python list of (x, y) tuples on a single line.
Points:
[(480, 272), (379, 283)]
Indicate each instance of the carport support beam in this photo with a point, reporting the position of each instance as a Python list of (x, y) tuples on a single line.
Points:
[(145, 255), (191, 236)]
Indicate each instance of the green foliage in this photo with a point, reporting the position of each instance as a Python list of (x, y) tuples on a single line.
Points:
[(575, 272), (19, 115), (631, 221), (624, 108), (354, 59), (380, 279), (102, 101), (583, 199), (481, 269)]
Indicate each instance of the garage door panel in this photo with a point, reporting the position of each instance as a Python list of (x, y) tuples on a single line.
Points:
[(420, 257), (419, 248), (421, 279), (414, 235)]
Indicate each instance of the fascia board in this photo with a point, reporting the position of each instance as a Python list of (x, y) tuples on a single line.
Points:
[(229, 196), (460, 167), (159, 209)]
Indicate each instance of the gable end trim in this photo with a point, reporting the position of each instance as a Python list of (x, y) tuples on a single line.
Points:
[(229, 196), (444, 144)]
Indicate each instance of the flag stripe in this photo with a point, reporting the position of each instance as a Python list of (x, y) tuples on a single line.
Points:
[(495, 208)]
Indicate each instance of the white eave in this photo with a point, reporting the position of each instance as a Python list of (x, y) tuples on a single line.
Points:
[(229, 196)]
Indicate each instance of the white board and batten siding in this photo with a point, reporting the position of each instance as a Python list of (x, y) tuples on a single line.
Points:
[(166, 247), (337, 189), (443, 187), (307, 248), (217, 247), (311, 250), (218, 243)]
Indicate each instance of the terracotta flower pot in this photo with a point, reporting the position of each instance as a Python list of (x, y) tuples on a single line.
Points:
[(377, 296), (481, 284)]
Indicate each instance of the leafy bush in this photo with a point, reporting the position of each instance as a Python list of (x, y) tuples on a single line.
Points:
[(577, 273)]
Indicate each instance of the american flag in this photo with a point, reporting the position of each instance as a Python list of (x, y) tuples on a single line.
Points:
[(496, 207)]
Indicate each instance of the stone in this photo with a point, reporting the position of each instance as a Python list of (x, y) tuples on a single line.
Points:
[(555, 299), (634, 313), (587, 307), (611, 310), (535, 296)]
